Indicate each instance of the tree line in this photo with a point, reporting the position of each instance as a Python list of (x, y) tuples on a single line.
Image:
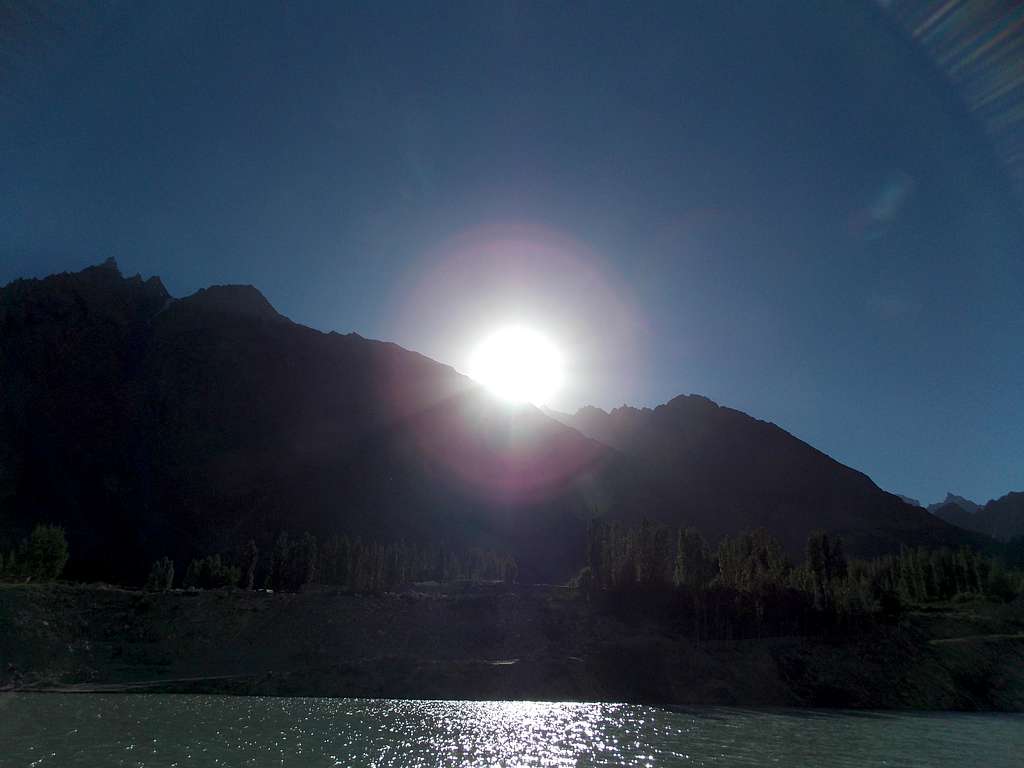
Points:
[(39, 557), (339, 561), (748, 585)]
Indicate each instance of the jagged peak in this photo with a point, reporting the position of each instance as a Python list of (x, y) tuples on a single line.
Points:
[(679, 401), (951, 498), (105, 272), (100, 287)]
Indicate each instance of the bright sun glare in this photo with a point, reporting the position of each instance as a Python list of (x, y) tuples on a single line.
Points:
[(518, 364)]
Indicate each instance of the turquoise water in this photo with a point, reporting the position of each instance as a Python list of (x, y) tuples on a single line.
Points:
[(177, 730)]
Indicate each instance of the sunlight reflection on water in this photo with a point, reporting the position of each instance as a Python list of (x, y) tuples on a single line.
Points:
[(159, 730)]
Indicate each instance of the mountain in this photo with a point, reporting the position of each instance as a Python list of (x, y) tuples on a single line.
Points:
[(908, 500), (956, 510), (721, 470), (1002, 518), (966, 505), (149, 425)]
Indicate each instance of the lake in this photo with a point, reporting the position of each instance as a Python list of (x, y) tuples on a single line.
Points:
[(182, 730)]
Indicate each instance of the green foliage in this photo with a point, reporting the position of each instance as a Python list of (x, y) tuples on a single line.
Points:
[(211, 573), (694, 566), (40, 557), (161, 575), (46, 553), (306, 560), (12, 568), (826, 567), (293, 563), (999, 584), (918, 575), (358, 566), (623, 558), (280, 560), (753, 561), (249, 559), (655, 555), (749, 588)]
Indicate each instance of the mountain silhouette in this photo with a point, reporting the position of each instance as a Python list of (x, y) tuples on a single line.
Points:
[(721, 470), (1002, 518), (148, 426), (956, 510), (151, 426), (966, 505)]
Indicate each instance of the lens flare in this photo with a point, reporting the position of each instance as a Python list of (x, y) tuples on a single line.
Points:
[(518, 364)]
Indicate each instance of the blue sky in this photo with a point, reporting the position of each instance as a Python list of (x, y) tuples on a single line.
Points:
[(785, 209)]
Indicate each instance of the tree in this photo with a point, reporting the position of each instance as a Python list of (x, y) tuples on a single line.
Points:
[(306, 567), (210, 573), (752, 562), (12, 566), (998, 583), (597, 535), (693, 566), (509, 570), (193, 575), (250, 556), (279, 560), (46, 553), (826, 564), (161, 575), (584, 581)]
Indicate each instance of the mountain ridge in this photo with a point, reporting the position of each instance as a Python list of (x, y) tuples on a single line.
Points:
[(723, 463), (149, 425), (1001, 518), (966, 505)]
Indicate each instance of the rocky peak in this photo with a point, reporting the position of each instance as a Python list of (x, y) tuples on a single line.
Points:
[(96, 291), (951, 498)]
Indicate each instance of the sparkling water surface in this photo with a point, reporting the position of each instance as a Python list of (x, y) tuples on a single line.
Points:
[(180, 730)]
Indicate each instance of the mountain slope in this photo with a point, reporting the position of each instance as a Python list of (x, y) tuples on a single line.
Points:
[(956, 510), (721, 470), (151, 426), (1002, 518)]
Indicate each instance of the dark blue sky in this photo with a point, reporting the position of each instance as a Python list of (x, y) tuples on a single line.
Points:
[(784, 208)]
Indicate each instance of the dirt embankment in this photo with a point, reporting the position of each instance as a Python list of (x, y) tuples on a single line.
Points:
[(527, 643)]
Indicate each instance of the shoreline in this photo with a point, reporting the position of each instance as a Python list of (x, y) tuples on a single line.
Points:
[(542, 644)]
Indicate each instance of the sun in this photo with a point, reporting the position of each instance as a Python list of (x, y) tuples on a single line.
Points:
[(518, 364)]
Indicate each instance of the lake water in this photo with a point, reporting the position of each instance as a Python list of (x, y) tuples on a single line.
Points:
[(178, 730)]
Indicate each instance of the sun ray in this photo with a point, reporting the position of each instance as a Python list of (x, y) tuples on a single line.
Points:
[(518, 364)]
